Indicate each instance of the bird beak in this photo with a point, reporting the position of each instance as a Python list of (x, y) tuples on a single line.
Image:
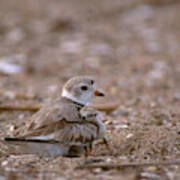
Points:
[(98, 93)]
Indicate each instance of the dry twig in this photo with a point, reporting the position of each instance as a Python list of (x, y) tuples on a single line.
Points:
[(36, 107), (125, 165), (33, 108), (107, 107)]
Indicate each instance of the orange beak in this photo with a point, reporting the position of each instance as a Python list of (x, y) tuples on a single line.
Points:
[(98, 93)]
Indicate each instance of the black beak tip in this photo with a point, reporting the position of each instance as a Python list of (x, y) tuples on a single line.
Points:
[(101, 94)]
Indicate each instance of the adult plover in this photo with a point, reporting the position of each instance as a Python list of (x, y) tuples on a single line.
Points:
[(60, 119)]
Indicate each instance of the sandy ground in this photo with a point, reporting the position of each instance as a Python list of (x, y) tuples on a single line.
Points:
[(131, 48)]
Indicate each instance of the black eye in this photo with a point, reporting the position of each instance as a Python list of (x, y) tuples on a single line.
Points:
[(84, 88), (92, 82)]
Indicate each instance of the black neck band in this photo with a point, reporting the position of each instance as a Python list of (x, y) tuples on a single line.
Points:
[(74, 102)]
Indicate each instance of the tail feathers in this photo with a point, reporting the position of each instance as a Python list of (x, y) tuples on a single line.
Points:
[(44, 148)]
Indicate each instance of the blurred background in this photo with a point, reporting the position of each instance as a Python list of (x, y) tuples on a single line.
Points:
[(131, 47), (130, 44)]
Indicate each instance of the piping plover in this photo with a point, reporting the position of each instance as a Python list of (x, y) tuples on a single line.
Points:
[(60, 119)]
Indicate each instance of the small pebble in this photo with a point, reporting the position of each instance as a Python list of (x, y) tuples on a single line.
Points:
[(129, 135), (4, 163), (151, 168)]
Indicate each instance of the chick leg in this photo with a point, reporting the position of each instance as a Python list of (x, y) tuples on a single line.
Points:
[(106, 143), (88, 149)]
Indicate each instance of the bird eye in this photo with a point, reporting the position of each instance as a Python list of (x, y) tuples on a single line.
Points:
[(84, 88)]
